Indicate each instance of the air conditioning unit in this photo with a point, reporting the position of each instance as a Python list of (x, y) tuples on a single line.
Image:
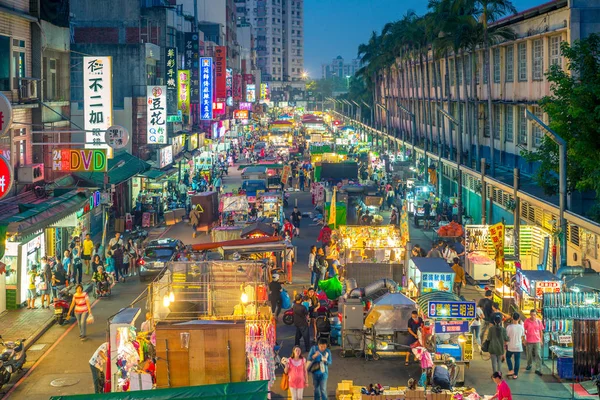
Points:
[(30, 173)]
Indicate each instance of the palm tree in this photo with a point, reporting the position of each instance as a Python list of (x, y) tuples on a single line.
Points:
[(489, 11)]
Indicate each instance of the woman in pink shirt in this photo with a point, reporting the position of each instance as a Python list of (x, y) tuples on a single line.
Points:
[(297, 373), (503, 391)]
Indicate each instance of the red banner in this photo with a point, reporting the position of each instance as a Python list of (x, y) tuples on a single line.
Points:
[(237, 87), (220, 73), (248, 79)]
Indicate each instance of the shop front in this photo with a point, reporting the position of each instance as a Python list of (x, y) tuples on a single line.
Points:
[(43, 229)]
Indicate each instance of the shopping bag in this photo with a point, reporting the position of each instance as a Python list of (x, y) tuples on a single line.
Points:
[(285, 382), (90, 319), (332, 287), (285, 300)]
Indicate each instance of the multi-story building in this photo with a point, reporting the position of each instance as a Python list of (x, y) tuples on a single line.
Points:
[(339, 68), (219, 23), (279, 31)]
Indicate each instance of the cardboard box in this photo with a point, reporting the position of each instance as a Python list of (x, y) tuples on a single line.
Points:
[(179, 213)]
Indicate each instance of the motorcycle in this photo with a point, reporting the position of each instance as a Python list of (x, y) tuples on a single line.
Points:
[(325, 307), (12, 359), (138, 234), (61, 305)]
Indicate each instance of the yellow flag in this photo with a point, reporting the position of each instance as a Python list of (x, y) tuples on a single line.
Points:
[(332, 215)]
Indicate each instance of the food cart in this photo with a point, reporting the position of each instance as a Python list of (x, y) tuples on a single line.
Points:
[(447, 317), (428, 275), (530, 286), (234, 210), (270, 205)]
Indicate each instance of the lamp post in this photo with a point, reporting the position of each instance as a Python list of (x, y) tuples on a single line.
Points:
[(562, 182), (105, 206), (459, 161), (372, 119), (359, 110), (413, 122), (351, 108), (348, 81)]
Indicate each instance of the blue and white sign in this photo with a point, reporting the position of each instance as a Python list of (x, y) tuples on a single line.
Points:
[(206, 89), (451, 327), (451, 309)]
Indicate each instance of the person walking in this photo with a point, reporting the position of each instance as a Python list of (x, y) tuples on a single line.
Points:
[(516, 336), (312, 258), (486, 306), (497, 340), (195, 216), (475, 326), (59, 280), (502, 388), (31, 289), (86, 256), (77, 268), (459, 276), (296, 217), (132, 249), (118, 256), (301, 180), (290, 257), (46, 275), (297, 373), (98, 367), (301, 322), (275, 289), (435, 251), (426, 215), (81, 304), (534, 330), (320, 355), (67, 264)]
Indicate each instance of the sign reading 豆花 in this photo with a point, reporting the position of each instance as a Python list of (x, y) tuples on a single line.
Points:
[(156, 108), (5, 114), (6, 177)]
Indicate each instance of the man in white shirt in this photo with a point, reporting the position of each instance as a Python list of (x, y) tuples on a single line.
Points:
[(97, 365), (516, 336)]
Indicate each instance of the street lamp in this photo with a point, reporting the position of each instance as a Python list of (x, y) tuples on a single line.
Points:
[(370, 108), (348, 81), (562, 182), (105, 210), (359, 109), (351, 107), (459, 161), (413, 125)]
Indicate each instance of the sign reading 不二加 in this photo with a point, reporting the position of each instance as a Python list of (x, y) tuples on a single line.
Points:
[(97, 96), (451, 309), (79, 160), (206, 89)]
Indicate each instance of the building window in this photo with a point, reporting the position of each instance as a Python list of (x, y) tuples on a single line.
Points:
[(537, 60), (451, 71), (537, 131), (510, 64), (460, 72), (4, 63), (522, 126), (497, 115), (522, 61), (19, 65), (508, 123), (486, 69), (21, 152), (497, 65), (485, 122), (555, 50)]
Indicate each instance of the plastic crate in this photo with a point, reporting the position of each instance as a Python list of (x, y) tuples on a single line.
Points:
[(565, 367)]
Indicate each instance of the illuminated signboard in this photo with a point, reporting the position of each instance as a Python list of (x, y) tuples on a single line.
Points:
[(183, 91), (237, 87), (542, 287), (451, 309), (97, 95), (171, 68), (246, 106), (264, 91), (240, 114), (220, 72), (437, 281), (156, 114), (451, 327), (206, 88), (6, 176), (251, 93), (165, 156), (79, 160), (192, 54), (192, 142), (229, 83), (219, 108)]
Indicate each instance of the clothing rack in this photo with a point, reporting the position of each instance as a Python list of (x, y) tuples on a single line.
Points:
[(260, 340)]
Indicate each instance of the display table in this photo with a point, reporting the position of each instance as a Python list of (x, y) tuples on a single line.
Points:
[(225, 233), (480, 266)]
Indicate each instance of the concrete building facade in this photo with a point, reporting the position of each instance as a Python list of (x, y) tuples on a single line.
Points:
[(339, 68)]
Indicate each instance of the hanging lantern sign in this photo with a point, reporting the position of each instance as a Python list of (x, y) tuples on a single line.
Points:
[(116, 137)]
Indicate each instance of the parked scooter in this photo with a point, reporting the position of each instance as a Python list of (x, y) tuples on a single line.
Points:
[(12, 359), (62, 304), (324, 308), (138, 234)]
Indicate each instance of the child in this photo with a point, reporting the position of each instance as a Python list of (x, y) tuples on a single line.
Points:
[(306, 302), (31, 289), (110, 263)]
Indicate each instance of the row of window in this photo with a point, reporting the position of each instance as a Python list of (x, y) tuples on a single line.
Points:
[(11, 68)]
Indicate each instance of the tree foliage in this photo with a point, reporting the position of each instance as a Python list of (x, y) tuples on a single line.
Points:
[(573, 109)]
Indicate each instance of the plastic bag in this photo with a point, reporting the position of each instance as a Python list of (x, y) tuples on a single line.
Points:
[(90, 319), (332, 287), (285, 300)]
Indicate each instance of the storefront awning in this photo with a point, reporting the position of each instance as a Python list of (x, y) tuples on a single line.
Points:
[(256, 390), (42, 215), (121, 168), (153, 173)]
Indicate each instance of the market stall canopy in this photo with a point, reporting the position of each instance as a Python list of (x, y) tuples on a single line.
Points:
[(282, 123), (255, 390), (390, 313), (239, 242), (432, 265), (153, 173), (268, 166), (39, 216), (425, 298), (258, 227), (130, 167)]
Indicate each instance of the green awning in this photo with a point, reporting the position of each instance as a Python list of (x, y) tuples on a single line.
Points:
[(270, 166), (153, 173), (257, 390), (42, 215), (131, 167)]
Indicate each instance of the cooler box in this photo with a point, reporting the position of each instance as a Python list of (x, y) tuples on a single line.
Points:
[(454, 350)]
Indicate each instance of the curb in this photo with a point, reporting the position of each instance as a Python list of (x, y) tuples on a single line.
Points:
[(30, 341)]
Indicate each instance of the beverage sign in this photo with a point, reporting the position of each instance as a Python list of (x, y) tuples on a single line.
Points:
[(192, 55), (79, 160), (183, 91), (6, 177), (220, 73), (451, 309), (451, 327), (97, 95), (240, 114), (251, 93), (171, 68), (5, 114), (206, 85), (156, 108), (246, 106)]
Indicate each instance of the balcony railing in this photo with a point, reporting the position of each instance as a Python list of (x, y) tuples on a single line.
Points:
[(28, 89)]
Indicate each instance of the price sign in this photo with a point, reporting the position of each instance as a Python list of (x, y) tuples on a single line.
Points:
[(451, 309), (542, 287), (565, 339)]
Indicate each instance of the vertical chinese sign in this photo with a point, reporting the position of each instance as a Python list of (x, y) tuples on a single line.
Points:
[(171, 79), (229, 85), (237, 87), (192, 55), (497, 237), (156, 108), (183, 91), (206, 88), (251, 93), (97, 94), (220, 73), (264, 92)]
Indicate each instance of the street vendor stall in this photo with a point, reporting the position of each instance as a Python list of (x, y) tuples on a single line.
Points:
[(447, 317), (427, 275), (530, 286), (416, 196), (270, 205), (234, 209)]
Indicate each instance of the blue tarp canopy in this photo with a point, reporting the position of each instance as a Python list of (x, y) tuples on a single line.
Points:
[(432, 265), (539, 276)]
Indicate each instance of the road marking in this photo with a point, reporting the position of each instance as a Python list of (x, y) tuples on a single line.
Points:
[(34, 366)]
